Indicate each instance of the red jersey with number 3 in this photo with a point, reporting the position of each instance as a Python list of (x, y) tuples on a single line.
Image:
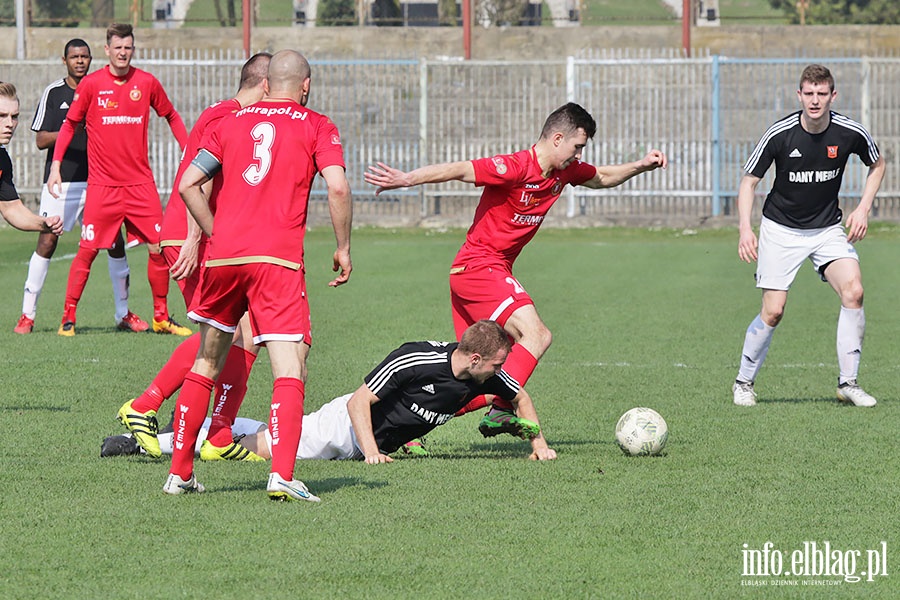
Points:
[(515, 200), (116, 113), (270, 153)]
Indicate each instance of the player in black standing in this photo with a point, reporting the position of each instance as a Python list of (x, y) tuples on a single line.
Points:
[(802, 219)]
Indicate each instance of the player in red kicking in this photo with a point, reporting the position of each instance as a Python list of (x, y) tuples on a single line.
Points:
[(269, 154), (114, 104), (519, 190), (184, 247)]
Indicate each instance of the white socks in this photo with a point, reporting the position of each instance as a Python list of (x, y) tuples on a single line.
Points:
[(118, 274), (851, 329), (38, 267), (756, 346)]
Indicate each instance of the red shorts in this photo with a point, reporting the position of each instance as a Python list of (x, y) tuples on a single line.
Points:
[(484, 293), (275, 297), (107, 207), (187, 286)]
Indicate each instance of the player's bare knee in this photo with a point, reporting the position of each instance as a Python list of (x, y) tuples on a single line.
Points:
[(852, 295), (543, 337), (772, 315)]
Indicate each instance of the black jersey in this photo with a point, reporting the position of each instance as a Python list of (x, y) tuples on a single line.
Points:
[(417, 392), (809, 168), (7, 187), (49, 116)]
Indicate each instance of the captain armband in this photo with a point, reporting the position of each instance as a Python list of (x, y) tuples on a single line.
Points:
[(207, 163)]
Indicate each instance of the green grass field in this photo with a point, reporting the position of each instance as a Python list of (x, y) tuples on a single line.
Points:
[(652, 318)]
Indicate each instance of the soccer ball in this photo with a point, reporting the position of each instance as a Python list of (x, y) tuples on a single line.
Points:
[(642, 432)]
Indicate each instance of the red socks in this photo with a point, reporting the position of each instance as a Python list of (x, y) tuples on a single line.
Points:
[(285, 423), (193, 403), (170, 377), (476, 403), (231, 387), (158, 276), (78, 277)]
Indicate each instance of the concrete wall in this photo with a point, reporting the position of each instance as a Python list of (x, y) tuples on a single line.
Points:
[(532, 43)]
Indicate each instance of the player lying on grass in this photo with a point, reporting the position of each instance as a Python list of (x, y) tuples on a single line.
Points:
[(416, 388)]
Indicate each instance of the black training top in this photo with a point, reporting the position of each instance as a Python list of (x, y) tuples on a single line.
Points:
[(808, 168), (417, 392), (7, 187), (49, 116)]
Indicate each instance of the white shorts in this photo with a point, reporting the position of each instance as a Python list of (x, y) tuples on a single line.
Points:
[(782, 251), (70, 204), (327, 434)]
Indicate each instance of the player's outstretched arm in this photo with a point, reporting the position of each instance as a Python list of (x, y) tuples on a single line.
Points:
[(525, 410), (747, 242), (612, 175), (18, 215), (385, 177), (340, 205), (858, 221), (359, 407)]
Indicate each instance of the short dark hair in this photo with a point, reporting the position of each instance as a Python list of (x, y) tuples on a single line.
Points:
[(75, 43), (815, 74), (122, 30), (568, 119), (255, 70), (485, 338)]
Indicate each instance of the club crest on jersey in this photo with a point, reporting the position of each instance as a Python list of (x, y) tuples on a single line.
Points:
[(832, 151), (135, 94), (557, 188), (499, 165)]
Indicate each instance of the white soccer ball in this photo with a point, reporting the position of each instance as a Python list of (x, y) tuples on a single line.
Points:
[(642, 432)]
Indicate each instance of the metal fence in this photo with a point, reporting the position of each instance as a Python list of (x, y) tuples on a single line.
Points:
[(706, 113)]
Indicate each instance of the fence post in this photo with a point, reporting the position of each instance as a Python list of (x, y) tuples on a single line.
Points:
[(423, 126), (865, 94), (570, 96), (716, 131)]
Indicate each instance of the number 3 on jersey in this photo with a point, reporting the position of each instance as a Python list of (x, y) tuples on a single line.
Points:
[(264, 134)]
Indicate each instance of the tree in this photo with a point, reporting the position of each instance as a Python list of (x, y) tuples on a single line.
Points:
[(448, 12), (58, 13), (842, 12), (386, 13), (501, 12), (336, 12)]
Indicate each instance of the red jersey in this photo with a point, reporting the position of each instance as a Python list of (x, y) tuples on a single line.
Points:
[(270, 153), (515, 199), (174, 227), (116, 114)]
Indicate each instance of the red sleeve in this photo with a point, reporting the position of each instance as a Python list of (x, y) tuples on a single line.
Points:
[(165, 109), (63, 139), (579, 172), (499, 170), (329, 151), (211, 141)]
